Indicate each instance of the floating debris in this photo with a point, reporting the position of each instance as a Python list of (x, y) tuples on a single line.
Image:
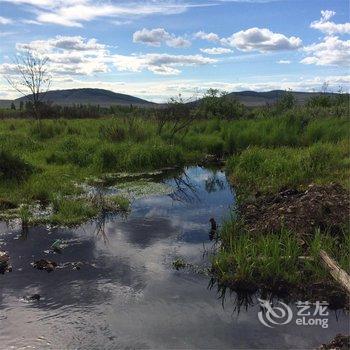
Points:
[(34, 297), (179, 264), (44, 264), (340, 342), (57, 246), (5, 262)]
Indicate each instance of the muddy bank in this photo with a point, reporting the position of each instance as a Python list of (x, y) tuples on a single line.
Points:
[(285, 264), (326, 207)]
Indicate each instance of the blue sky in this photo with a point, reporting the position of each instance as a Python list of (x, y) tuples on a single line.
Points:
[(157, 49)]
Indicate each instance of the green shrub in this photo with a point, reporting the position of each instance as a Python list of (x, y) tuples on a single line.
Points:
[(12, 167), (113, 133)]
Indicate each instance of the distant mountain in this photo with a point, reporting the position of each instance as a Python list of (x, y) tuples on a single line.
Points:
[(5, 103), (106, 98), (86, 96), (254, 99)]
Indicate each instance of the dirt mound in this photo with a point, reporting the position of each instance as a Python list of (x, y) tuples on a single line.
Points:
[(326, 207)]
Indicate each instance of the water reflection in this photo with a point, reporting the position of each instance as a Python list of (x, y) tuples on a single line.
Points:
[(126, 294), (184, 190)]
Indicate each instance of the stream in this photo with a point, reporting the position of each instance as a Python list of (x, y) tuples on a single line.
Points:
[(127, 294)]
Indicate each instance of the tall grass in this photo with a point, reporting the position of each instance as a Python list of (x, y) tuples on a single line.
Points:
[(271, 169), (274, 258), (266, 152)]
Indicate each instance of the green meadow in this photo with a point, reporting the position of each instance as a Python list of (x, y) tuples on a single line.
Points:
[(47, 161)]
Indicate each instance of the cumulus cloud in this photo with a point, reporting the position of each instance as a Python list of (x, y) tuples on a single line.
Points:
[(70, 55), (4, 20), (254, 39), (261, 39), (74, 13), (72, 43), (284, 62), (157, 36), (330, 52), (75, 55), (216, 50), (207, 36), (328, 27), (163, 64)]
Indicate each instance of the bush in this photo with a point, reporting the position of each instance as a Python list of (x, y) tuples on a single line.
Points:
[(13, 167), (113, 133)]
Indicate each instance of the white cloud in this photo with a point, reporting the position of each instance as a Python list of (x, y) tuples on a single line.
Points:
[(216, 50), (331, 52), (157, 36), (75, 55), (72, 43), (4, 20), (70, 55), (254, 39), (159, 63), (120, 23), (207, 36), (3, 34), (284, 62), (73, 13), (261, 39), (325, 26)]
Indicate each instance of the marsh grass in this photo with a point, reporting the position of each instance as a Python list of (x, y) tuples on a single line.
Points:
[(271, 169), (275, 258), (121, 202), (45, 160), (69, 212)]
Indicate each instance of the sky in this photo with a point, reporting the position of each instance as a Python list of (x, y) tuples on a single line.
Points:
[(157, 49)]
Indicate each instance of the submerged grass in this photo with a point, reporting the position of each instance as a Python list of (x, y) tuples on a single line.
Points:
[(70, 212), (121, 202)]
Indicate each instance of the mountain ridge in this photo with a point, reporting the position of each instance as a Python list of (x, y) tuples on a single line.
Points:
[(107, 98)]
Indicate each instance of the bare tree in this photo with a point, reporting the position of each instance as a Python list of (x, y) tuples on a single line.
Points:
[(178, 115), (31, 79)]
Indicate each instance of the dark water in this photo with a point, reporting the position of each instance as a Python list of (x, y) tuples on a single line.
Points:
[(127, 295)]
